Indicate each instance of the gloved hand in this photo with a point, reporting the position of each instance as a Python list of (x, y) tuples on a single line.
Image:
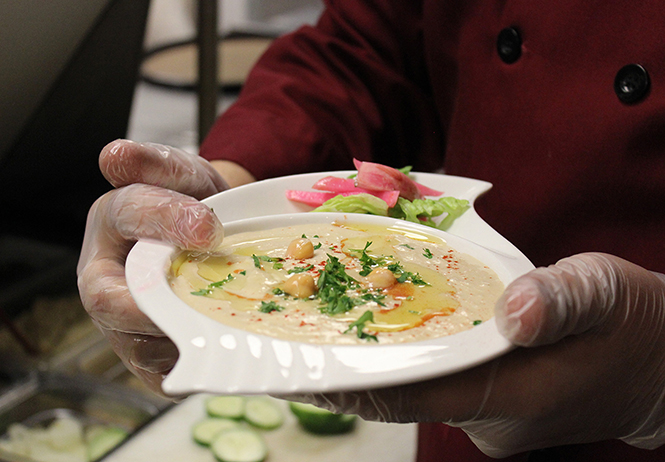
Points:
[(158, 187), (590, 366), (591, 329)]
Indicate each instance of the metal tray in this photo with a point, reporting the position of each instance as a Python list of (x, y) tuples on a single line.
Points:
[(44, 396)]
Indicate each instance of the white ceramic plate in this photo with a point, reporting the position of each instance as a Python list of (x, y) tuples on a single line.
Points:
[(220, 359)]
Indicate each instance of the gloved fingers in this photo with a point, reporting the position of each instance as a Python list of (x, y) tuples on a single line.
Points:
[(147, 212), (577, 294), (147, 357), (115, 222), (124, 215), (453, 398), (125, 162), (597, 374), (107, 300), (387, 405), (463, 400)]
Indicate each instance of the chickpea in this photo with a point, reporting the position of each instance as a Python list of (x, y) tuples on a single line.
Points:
[(300, 285), (381, 278), (300, 249)]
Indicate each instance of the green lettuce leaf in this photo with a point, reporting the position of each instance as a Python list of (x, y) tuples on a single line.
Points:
[(425, 210), (357, 203)]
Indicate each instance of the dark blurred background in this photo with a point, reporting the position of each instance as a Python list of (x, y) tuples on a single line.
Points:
[(69, 70)]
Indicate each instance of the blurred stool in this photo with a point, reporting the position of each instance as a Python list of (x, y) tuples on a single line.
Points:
[(175, 65)]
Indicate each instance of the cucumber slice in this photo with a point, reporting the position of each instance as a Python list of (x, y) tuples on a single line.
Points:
[(263, 413), (103, 440), (239, 445), (207, 429), (320, 421), (229, 407)]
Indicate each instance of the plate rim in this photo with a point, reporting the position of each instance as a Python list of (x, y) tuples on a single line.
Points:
[(200, 350)]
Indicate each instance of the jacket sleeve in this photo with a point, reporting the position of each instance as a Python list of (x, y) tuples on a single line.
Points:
[(355, 85)]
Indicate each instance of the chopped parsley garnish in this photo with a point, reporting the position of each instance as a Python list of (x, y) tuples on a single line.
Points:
[(222, 282), (317, 246), (414, 278), (259, 258), (407, 246), (300, 269), (403, 276), (269, 307), (376, 298), (368, 263), (359, 325), (476, 322), (201, 292), (332, 285), (337, 291), (208, 290)]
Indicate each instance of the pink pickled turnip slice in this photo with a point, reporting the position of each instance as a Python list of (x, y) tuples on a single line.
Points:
[(315, 198), (427, 191), (377, 177), (347, 186), (390, 197), (335, 184)]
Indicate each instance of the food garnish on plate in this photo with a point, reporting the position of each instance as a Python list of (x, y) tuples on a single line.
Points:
[(338, 283), (377, 189)]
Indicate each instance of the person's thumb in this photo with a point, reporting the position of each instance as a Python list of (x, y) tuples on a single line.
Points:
[(567, 298)]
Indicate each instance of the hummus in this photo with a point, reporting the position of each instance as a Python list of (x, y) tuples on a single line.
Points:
[(341, 284)]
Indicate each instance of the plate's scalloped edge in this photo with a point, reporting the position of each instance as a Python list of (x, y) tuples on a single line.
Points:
[(215, 358)]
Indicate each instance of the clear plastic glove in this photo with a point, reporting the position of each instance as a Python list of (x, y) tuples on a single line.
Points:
[(591, 365), (591, 329), (157, 198)]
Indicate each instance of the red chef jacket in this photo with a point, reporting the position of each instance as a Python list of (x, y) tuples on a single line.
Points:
[(559, 104)]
